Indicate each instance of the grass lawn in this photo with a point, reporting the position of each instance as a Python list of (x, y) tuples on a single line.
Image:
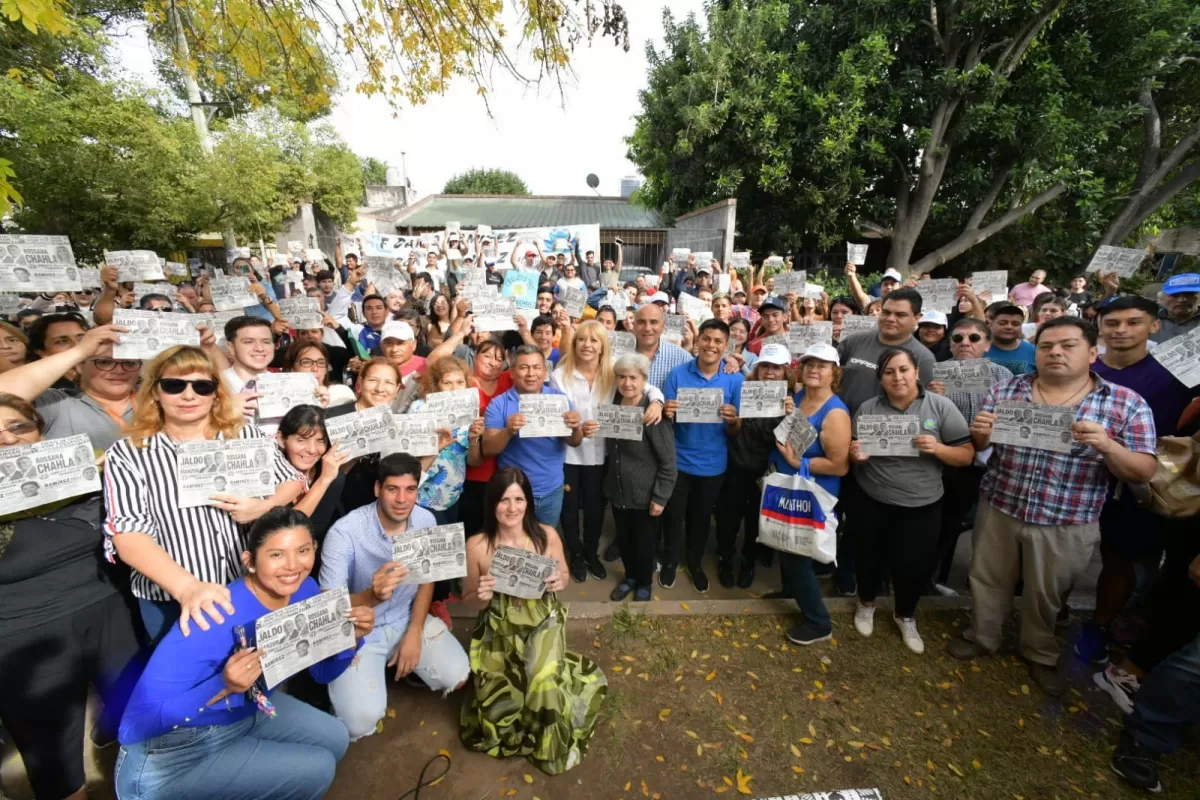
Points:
[(702, 706)]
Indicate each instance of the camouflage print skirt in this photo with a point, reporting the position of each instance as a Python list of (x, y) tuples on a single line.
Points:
[(529, 696)]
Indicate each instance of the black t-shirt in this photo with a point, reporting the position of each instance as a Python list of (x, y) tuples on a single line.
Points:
[(1079, 298), (52, 565)]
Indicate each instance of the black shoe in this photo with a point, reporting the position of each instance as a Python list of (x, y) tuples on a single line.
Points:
[(579, 569), (766, 556), (846, 587), (746, 574), (806, 634), (725, 572), (623, 590), (1136, 764), (596, 567), (611, 553), (699, 580), (644, 594), (1048, 679), (666, 576)]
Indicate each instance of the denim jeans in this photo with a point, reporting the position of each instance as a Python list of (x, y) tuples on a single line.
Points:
[(800, 584), (158, 616), (548, 507), (292, 756), (1168, 702), (359, 694)]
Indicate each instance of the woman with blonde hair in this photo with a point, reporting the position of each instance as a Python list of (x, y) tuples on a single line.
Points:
[(182, 557), (14, 347), (585, 376)]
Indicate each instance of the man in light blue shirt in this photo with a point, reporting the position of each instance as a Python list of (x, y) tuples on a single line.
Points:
[(701, 450), (357, 553), (541, 458)]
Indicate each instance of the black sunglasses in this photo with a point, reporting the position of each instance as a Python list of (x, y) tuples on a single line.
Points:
[(205, 387), (975, 338)]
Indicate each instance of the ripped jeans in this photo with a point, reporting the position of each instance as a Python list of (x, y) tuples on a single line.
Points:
[(359, 694)]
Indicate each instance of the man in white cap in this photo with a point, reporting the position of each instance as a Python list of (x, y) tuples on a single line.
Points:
[(931, 330), (891, 279), (398, 344)]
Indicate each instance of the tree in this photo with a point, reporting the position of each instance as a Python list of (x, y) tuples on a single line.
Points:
[(936, 125), (374, 172), (485, 181)]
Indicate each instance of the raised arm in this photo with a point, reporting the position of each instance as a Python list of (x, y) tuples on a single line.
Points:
[(103, 312), (30, 380), (856, 289)]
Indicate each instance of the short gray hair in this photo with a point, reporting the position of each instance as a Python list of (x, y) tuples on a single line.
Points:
[(527, 350), (632, 361)]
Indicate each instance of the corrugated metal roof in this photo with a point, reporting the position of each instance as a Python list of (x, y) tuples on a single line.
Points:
[(500, 211)]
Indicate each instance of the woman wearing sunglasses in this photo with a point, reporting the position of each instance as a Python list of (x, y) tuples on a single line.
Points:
[(969, 340), (313, 357), (182, 557), (64, 626)]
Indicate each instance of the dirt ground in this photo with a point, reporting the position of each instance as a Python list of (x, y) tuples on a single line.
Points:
[(695, 701), (701, 706)]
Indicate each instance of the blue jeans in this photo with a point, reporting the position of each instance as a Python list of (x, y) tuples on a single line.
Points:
[(359, 695), (290, 757), (1168, 702), (158, 616), (800, 584), (548, 507)]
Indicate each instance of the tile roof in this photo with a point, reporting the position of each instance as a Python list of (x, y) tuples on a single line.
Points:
[(533, 211)]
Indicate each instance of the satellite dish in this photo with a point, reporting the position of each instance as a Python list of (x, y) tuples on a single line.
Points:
[(593, 181)]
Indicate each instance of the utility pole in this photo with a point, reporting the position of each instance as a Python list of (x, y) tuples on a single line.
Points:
[(183, 54)]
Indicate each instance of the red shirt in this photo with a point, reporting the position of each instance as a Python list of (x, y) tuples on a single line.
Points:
[(484, 472)]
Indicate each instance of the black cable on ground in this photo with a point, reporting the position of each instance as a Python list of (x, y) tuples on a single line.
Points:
[(415, 792)]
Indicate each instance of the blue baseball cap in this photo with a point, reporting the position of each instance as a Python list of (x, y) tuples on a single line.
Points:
[(1178, 284)]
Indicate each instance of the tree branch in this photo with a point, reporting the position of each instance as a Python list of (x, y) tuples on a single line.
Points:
[(1140, 207), (1010, 59), (968, 239), (989, 199), (1169, 164), (932, 24), (1152, 123)]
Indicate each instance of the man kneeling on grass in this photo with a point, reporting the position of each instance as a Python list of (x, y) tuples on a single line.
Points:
[(358, 554)]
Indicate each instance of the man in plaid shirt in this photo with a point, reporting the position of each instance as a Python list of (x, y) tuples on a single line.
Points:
[(1039, 513)]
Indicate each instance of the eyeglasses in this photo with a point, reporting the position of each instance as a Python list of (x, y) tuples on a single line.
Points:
[(205, 387), (20, 428), (109, 364), (974, 338), (310, 363)]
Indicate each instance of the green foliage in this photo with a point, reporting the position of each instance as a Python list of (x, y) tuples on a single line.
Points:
[(485, 181), (989, 127), (374, 172)]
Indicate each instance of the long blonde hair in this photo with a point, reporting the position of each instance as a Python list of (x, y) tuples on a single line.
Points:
[(604, 373), (180, 360)]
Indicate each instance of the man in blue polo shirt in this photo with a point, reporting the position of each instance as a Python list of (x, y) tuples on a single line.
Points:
[(541, 458), (701, 451)]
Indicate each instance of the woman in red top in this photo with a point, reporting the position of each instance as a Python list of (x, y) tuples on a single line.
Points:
[(491, 379)]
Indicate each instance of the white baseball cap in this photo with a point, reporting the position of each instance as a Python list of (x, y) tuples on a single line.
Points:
[(932, 317), (894, 275), (397, 329), (775, 353), (660, 297), (821, 352)]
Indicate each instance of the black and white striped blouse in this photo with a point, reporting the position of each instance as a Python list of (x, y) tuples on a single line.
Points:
[(141, 493)]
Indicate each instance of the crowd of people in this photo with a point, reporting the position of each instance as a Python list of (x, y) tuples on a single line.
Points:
[(132, 593)]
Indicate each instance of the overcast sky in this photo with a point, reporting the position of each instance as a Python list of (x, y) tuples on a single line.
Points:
[(552, 142)]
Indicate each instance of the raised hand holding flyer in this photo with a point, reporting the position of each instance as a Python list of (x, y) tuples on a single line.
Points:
[(31, 263), (973, 376), (1181, 357), (302, 634), (151, 332), (283, 391), (801, 336), (762, 399), (887, 435), (1036, 425), (415, 434), (244, 467), (432, 554), (135, 265), (1122, 260), (454, 409), (361, 433), (544, 415), (521, 573), (699, 405), (33, 475), (796, 430)]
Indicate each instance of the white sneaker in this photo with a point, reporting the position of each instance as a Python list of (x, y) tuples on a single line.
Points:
[(944, 590), (1120, 685), (908, 632), (864, 619)]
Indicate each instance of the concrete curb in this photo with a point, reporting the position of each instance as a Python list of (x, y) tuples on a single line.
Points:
[(703, 608)]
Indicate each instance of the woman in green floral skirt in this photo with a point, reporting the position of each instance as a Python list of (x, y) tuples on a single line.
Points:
[(528, 696)]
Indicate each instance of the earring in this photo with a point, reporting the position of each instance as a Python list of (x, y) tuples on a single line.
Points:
[(252, 569)]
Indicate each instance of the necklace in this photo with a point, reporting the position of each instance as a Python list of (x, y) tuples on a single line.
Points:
[(1040, 395)]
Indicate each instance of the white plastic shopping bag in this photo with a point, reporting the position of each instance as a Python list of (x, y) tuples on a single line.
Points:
[(796, 516)]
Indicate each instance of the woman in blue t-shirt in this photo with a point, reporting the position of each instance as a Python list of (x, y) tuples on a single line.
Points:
[(197, 726), (827, 459)]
